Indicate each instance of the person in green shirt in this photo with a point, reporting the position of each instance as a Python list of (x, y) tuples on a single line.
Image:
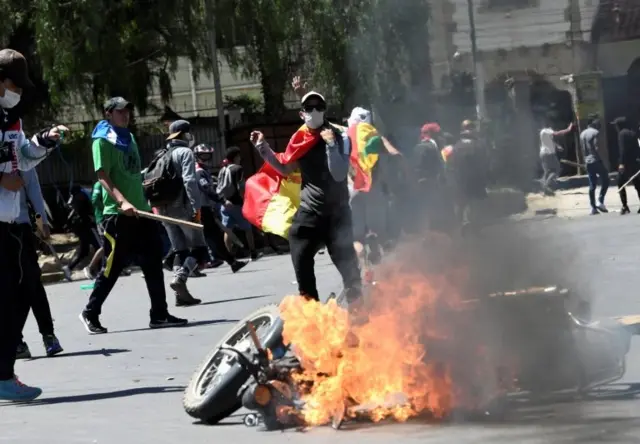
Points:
[(116, 160), (98, 205)]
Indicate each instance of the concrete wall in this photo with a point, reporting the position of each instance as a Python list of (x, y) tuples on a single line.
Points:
[(182, 101), (614, 59), (545, 36)]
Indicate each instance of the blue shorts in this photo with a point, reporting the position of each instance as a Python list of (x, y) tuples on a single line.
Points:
[(232, 218)]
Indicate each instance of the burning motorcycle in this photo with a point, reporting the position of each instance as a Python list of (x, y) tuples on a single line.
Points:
[(548, 332)]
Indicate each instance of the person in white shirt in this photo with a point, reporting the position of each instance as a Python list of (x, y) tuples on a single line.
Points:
[(549, 157), (17, 154)]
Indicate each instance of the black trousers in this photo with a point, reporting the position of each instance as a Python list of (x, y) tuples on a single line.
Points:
[(308, 233), (87, 236), (127, 238), (20, 278), (41, 311), (623, 178), (215, 235)]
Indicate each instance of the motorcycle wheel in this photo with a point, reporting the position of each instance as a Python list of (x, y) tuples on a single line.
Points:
[(216, 387)]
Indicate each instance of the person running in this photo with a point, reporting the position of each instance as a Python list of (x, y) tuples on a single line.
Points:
[(210, 201), (595, 166), (31, 194), (628, 161), (17, 271), (80, 221), (183, 204), (549, 155), (230, 188), (321, 154), (116, 160)]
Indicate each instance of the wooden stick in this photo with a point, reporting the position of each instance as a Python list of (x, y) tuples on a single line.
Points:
[(169, 220), (574, 164), (629, 181)]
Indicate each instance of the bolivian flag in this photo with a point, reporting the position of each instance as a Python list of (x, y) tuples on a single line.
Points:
[(270, 199), (446, 152), (365, 151)]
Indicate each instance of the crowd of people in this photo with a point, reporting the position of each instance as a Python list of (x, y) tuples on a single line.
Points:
[(591, 146), (334, 211)]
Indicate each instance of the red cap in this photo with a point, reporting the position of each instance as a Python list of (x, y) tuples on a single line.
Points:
[(428, 129)]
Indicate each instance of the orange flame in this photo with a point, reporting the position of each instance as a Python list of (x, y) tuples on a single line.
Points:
[(408, 356)]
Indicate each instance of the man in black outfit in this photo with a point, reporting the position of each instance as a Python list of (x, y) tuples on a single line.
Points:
[(80, 221), (18, 265), (324, 215), (628, 161)]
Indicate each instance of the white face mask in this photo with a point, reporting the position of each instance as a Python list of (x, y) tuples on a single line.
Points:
[(10, 99), (314, 119)]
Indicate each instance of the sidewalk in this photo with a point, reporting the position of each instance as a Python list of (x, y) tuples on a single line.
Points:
[(573, 182), (574, 203)]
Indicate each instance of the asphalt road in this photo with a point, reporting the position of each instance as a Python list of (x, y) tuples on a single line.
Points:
[(126, 387)]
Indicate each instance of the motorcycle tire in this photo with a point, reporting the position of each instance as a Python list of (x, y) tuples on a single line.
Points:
[(212, 405)]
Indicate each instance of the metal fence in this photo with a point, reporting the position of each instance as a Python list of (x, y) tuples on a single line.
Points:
[(75, 163)]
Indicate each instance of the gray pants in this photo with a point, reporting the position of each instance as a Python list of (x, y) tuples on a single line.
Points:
[(183, 240), (551, 170)]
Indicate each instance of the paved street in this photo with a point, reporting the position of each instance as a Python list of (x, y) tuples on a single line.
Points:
[(126, 387), (574, 202)]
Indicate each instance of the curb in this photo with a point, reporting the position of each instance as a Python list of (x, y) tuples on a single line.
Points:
[(49, 278), (570, 183)]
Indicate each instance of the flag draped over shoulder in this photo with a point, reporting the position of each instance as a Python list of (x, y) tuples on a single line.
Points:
[(365, 151), (271, 199), (446, 152)]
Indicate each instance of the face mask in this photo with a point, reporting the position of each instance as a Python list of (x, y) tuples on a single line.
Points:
[(314, 119), (10, 99)]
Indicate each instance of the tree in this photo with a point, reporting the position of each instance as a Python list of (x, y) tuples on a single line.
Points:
[(98, 48), (262, 38), (375, 52)]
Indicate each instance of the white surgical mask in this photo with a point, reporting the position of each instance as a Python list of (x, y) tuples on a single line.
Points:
[(314, 119), (10, 99)]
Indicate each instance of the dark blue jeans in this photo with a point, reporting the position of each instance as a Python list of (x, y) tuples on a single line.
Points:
[(597, 171)]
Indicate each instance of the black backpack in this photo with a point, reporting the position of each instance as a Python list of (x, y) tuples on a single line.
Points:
[(162, 184)]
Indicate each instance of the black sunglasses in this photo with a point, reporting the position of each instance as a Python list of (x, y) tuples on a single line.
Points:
[(318, 107)]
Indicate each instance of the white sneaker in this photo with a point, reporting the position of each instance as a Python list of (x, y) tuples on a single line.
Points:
[(88, 274)]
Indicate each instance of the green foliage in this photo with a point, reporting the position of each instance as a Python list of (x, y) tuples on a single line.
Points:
[(359, 52), (250, 104), (375, 52), (262, 38), (99, 48)]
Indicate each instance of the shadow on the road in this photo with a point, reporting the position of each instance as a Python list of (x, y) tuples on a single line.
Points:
[(89, 397), (248, 298), (231, 420), (103, 351), (189, 325)]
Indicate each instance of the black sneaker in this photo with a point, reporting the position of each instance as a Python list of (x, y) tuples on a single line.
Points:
[(255, 256), (238, 265), (169, 321), (197, 274), (22, 351), (92, 324)]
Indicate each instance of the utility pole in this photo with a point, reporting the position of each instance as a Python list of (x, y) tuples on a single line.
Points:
[(478, 78), (213, 46)]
